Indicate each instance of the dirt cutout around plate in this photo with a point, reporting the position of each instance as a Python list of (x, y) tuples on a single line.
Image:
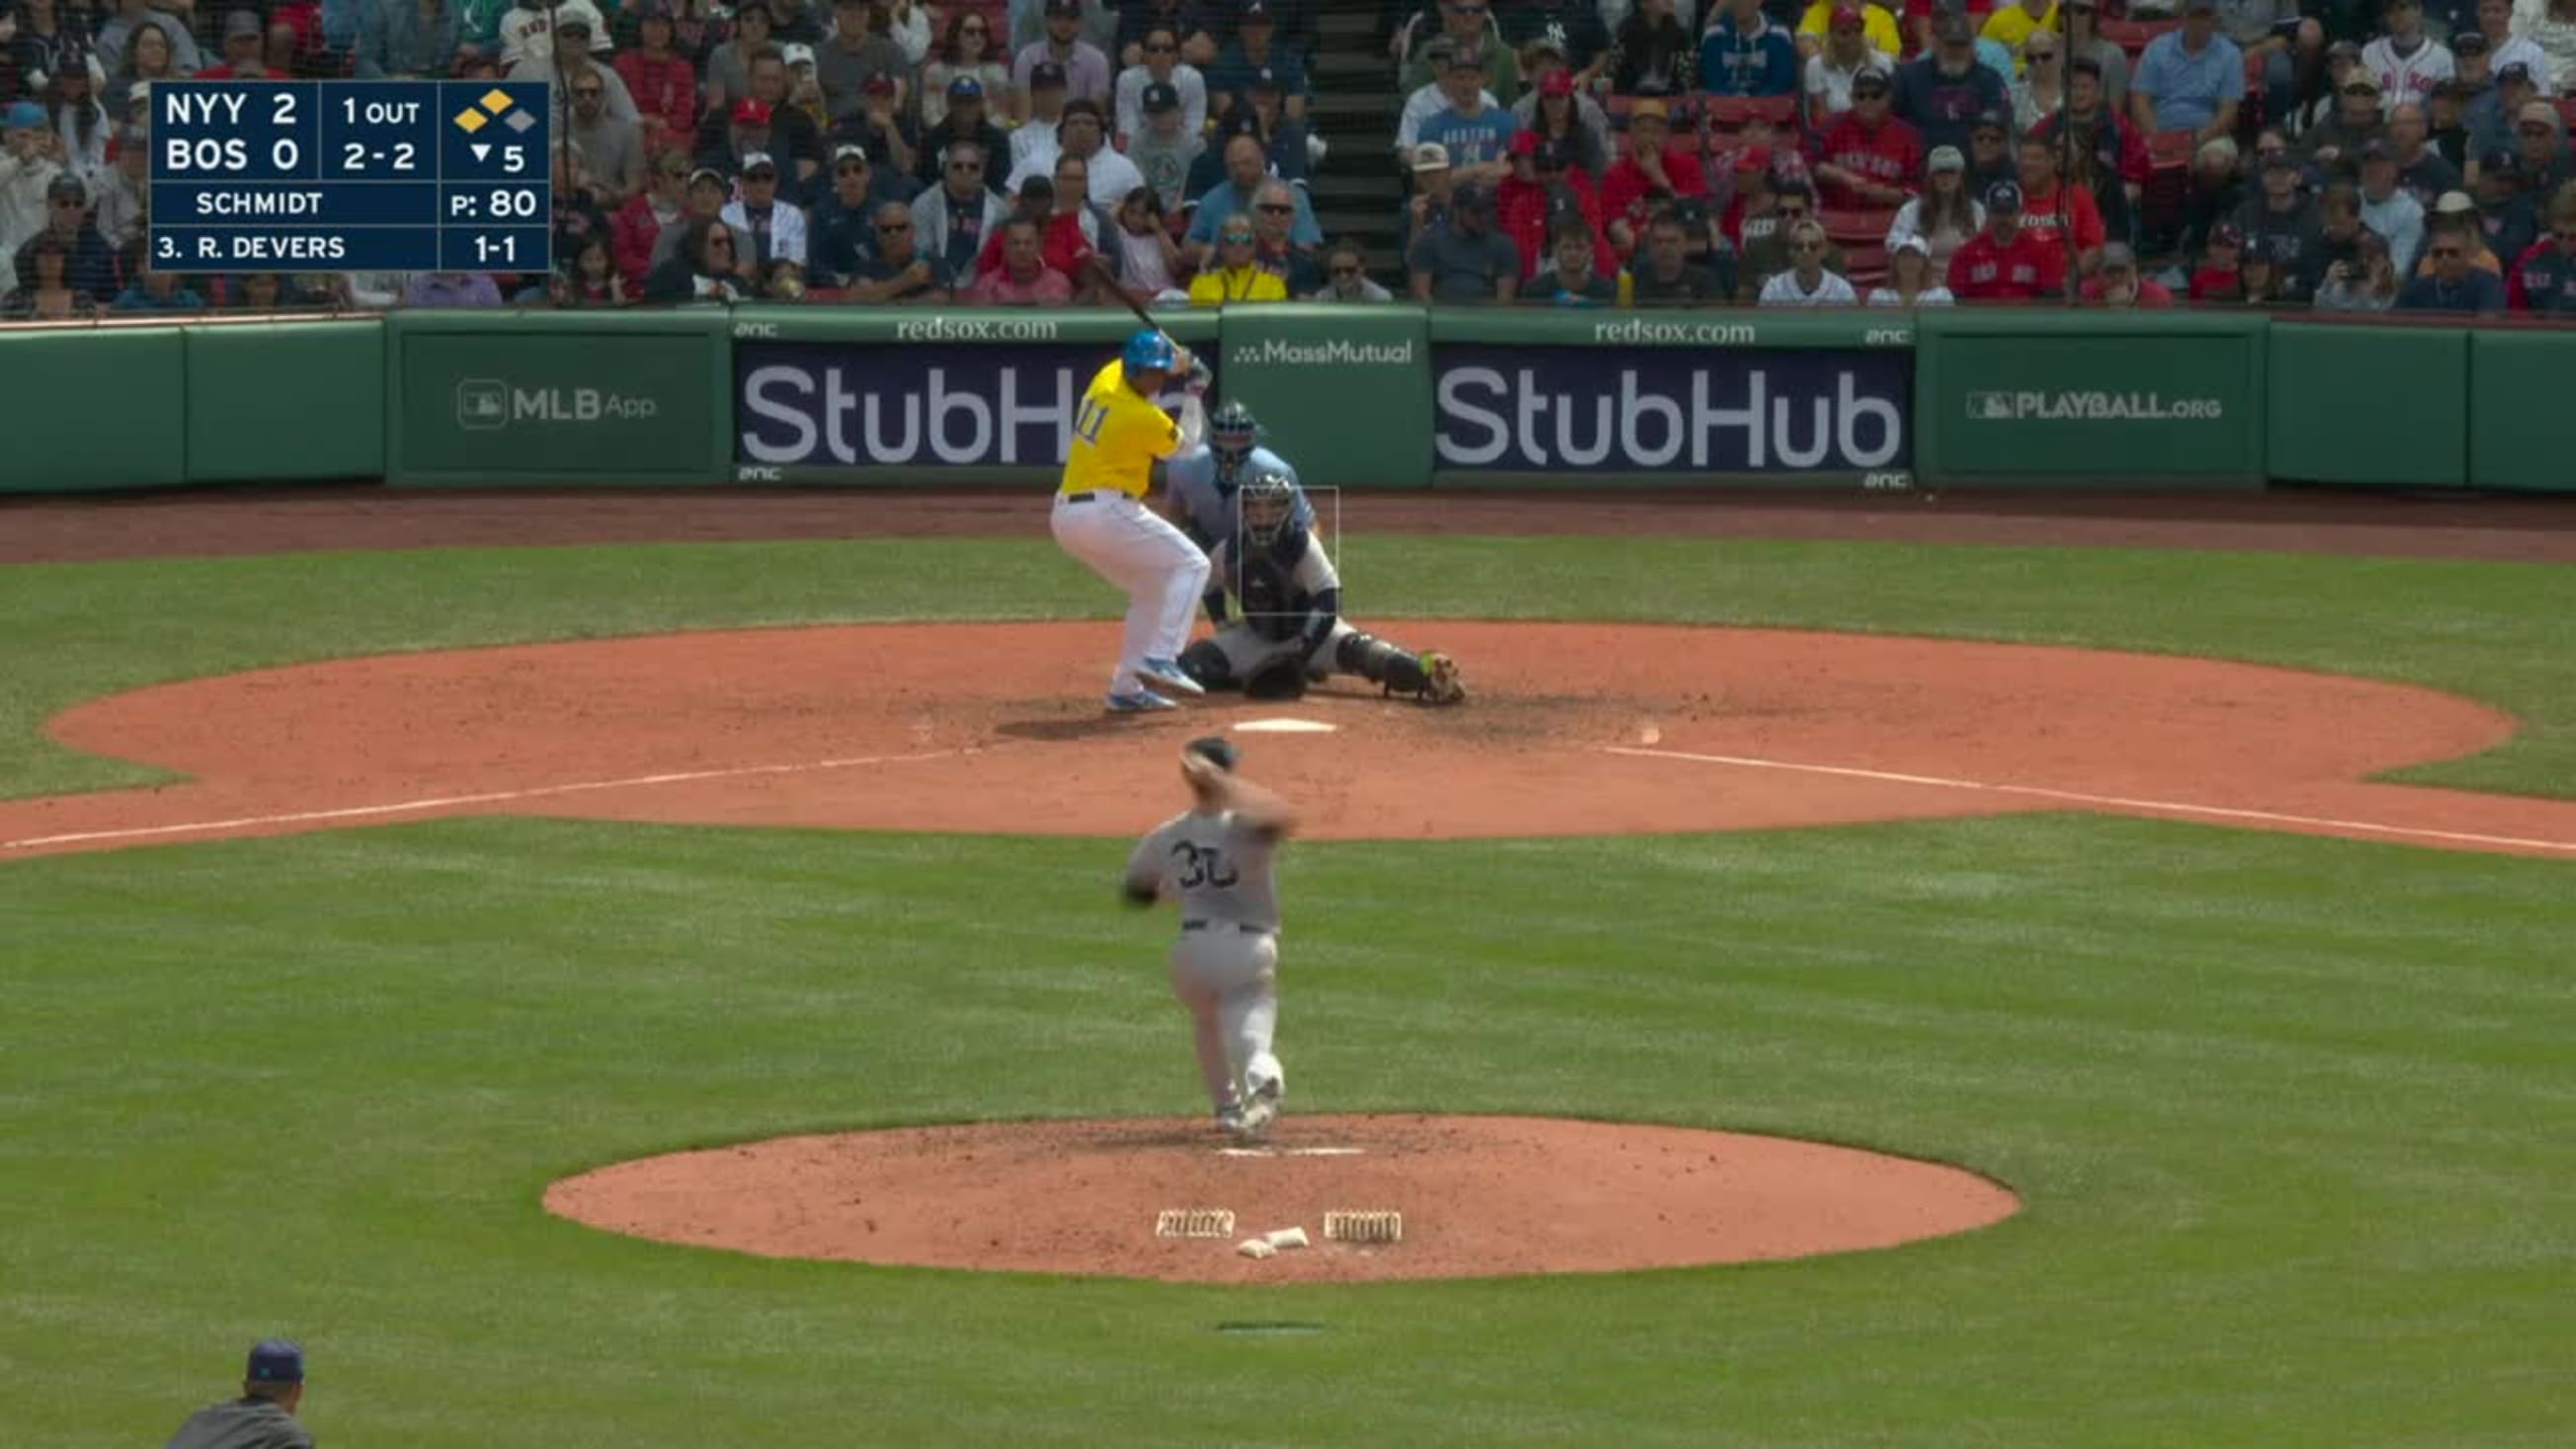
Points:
[(1480, 1197)]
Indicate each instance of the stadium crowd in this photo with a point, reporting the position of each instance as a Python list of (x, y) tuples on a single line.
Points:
[(2344, 155)]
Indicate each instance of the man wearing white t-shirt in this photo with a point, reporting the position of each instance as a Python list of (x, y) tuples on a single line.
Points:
[(1807, 283)]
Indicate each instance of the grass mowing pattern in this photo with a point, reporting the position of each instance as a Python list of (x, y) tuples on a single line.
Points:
[(2294, 1120), (2500, 633)]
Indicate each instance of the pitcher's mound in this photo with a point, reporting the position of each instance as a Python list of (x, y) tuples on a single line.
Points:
[(1479, 1196)]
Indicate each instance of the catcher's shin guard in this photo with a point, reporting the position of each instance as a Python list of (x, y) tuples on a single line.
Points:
[(1429, 677)]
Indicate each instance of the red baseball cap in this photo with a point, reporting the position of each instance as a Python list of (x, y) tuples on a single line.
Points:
[(1556, 83), (1847, 13), (751, 113)]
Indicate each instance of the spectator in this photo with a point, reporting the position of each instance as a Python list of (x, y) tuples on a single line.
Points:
[(1163, 66), (2220, 277), (2455, 284), (1033, 141), (966, 55), (1744, 54), (2003, 263), (1196, 24), (2064, 216), (1654, 53), (1462, 258), (707, 193), (1912, 278), (700, 269), (2446, 127), (1663, 274), (2217, 190), (1569, 277), (1750, 199), (1081, 69), (1475, 134), (1431, 183), (63, 48), (2280, 224), (2039, 93), (120, 193), (1023, 279), (91, 264), (2455, 214), (953, 219), (1235, 274), (1555, 111), (1346, 277), (264, 1416), (1875, 26), (1150, 263), (2262, 283), (1464, 24), (577, 212), (2550, 25), (1540, 195), (2190, 79), (1062, 243), (412, 40), (1807, 282), (1274, 215), (2389, 211), (1261, 113), (842, 227), (909, 24), (148, 58), (660, 209), (2013, 21), (2272, 34), (614, 149), (528, 34), (2335, 143), (587, 278), (452, 289), (267, 292), (659, 80), (2120, 285), (2508, 45), (2081, 21), (859, 52), (1652, 175), (2420, 169), (895, 269), (1767, 250), (1944, 217), (245, 50), (879, 128), (1867, 157), (1573, 29), (1428, 99), (28, 169), (1838, 64), (2107, 158), (1944, 92), (728, 66), (965, 120), (1166, 149), (1245, 169), (2543, 277), (577, 66), (2508, 218), (1990, 151), (799, 21), (2540, 149), (2405, 61), (152, 291), (1254, 56), (2366, 283), (45, 292)]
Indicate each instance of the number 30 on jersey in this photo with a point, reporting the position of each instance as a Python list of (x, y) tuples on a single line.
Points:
[(1198, 867)]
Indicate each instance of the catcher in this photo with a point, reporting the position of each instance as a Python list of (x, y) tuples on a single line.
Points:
[(1291, 631)]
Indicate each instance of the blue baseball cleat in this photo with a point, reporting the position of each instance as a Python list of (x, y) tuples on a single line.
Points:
[(1142, 701), (1168, 673)]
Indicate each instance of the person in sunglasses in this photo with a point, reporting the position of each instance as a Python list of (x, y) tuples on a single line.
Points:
[(895, 268), (953, 219), (1346, 277), (2544, 277), (2455, 284), (1237, 275)]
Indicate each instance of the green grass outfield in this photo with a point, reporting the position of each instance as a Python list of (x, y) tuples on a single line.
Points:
[(2294, 1119)]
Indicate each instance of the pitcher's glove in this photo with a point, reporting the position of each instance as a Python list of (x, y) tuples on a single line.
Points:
[(1281, 676)]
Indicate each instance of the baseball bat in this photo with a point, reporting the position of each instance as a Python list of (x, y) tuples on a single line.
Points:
[(1100, 270)]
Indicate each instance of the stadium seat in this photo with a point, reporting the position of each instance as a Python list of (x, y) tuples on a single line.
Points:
[(1866, 264), (1734, 113), (1851, 227), (2133, 35)]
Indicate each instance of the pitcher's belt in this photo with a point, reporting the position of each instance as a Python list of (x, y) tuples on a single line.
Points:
[(1245, 927)]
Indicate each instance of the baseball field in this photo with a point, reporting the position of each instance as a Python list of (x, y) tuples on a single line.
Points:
[(370, 865)]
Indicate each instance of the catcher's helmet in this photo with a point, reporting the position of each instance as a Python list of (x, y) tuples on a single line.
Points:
[(1269, 503), (1148, 351), (1232, 433)]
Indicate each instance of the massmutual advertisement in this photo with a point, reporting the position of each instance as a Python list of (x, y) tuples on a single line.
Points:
[(1748, 414)]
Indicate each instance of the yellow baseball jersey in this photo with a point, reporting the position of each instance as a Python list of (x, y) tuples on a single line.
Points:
[(1117, 436)]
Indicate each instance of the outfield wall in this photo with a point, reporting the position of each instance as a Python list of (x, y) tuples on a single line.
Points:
[(1369, 397)]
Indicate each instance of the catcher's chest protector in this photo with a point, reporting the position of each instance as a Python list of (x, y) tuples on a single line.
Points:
[(1272, 603)]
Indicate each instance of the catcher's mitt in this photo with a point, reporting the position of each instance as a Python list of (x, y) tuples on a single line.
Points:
[(1281, 676)]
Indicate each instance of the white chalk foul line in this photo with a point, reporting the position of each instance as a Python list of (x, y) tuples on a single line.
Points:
[(450, 802), (2112, 802)]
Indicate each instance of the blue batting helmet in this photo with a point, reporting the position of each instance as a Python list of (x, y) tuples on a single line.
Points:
[(1149, 351)]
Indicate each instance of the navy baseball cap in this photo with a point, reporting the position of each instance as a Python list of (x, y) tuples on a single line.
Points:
[(276, 1361), (2499, 163), (1266, 78), (1217, 750), (1046, 73), (2003, 196), (1162, 96), (965, 88)]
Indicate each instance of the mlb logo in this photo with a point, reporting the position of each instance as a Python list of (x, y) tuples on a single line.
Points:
[(1990, 406), (482, 404)]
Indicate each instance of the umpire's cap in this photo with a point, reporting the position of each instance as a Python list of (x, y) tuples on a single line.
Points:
[(1215, 749), (1149, 351)]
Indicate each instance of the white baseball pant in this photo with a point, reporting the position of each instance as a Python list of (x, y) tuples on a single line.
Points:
[(1132, 547), (1228, 978)]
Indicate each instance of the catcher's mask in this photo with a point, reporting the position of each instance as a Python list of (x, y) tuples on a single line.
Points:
[(1269, 505), (1232, 434)]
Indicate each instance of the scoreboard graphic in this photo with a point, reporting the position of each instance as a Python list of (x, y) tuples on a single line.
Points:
[(351, 176)]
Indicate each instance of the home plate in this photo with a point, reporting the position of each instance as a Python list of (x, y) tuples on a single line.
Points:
[(1290, 1151), (1286, 727)]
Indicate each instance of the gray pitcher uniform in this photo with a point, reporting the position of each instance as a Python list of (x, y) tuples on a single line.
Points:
[(1225, 964)]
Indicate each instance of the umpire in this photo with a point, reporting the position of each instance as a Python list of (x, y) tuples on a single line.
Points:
[(264, 1416)]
